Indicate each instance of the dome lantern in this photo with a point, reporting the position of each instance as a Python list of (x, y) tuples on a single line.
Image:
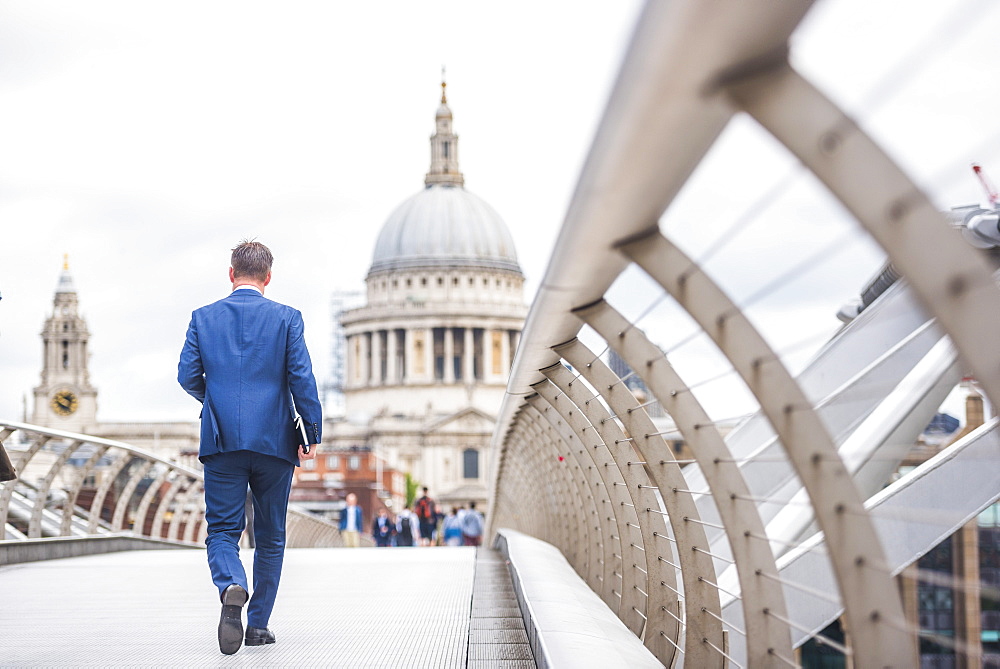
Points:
[(444, 147)]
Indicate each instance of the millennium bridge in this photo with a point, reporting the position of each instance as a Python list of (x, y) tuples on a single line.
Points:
[(625, 528)]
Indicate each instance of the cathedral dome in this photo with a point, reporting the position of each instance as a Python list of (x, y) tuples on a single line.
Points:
[(444, 227)]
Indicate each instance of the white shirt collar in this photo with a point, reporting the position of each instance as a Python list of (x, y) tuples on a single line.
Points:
[(247, 285)]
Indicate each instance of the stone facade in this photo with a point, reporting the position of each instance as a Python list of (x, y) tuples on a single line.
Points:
[(66, 400), (428, 355)]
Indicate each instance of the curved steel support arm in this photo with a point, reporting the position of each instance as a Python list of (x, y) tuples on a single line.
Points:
[(701, 601), (557, 464), (605, 512), (743, 525), (874, 611), (962, 294), (630, 492)]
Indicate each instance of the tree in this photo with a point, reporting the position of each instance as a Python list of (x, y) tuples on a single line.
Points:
[(411, 490)]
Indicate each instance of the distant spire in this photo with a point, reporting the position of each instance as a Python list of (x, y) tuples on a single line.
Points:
[(65, 280), (444, 147)]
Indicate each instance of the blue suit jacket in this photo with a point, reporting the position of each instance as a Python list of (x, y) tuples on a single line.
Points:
[(357, 518), (245, 359)]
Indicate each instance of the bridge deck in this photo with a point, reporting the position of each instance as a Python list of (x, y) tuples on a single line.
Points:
[(366, 607)]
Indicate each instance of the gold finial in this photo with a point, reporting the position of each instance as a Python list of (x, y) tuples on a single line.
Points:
[(444, 98), (65, 261)]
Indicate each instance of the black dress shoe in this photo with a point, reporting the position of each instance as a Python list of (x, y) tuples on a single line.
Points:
[(231, 620), (258, 636)]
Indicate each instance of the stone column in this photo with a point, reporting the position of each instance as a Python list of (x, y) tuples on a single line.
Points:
[(449, 355), (376, 358), (351, 364), (408, 356)]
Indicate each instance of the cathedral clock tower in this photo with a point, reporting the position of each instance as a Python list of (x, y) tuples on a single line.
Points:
[(65, 399)]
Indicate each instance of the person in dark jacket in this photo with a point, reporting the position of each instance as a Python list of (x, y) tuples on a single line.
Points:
[(383, 529)]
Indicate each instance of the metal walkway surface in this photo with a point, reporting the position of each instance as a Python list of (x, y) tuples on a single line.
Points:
[(366, 607)]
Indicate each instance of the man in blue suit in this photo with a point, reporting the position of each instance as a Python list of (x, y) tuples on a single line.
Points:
[(351, 522), (246, 361)]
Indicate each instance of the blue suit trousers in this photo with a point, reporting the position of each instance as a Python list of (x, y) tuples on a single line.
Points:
[(269, 478)]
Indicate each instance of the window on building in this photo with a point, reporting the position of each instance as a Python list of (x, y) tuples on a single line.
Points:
[(989, 576), (400, 354), (477, 353), (438, 334), (458, 335), (470, 463), (936, 606), (513, 339), (369, 372), (819, 655), (497, 348), (332, 462), (353, 462), (383, 358), (418, 354), (309, 465)]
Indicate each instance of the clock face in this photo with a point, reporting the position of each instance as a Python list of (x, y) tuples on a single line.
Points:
[(64, 402)]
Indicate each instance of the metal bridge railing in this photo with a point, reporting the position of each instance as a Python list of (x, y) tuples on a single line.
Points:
[(74, 485), (704, 558)]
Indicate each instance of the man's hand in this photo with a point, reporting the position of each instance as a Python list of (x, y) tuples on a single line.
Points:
[(311, 455)]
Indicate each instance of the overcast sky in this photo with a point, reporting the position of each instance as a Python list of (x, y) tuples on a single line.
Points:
[(145, 139)]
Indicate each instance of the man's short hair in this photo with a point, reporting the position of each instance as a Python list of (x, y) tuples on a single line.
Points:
[(251, 260)]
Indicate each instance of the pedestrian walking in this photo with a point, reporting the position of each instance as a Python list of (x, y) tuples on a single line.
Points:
[(472, 526), (383, 529), (451, 527), (351, 522), (427, 515), (407, 528), (245, 359)]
